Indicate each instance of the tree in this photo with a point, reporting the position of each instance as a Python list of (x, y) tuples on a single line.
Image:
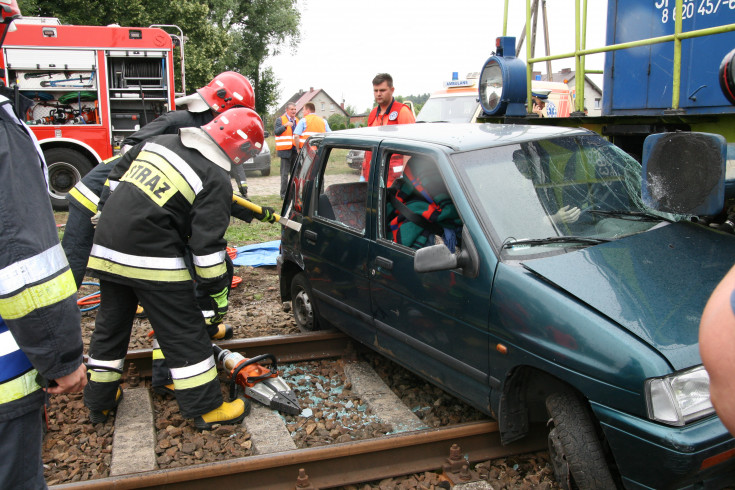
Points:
[(337, 122)]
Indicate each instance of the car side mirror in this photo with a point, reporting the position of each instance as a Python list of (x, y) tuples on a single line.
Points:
[(439, 258), (684, 173)]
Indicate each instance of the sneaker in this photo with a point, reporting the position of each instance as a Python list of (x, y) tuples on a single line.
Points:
[(224, 332), (226, 414), (100, 416), (165, 389)]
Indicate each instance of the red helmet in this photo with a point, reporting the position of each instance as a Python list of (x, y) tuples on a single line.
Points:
[(238, 131), (10, 11), (227, 90)]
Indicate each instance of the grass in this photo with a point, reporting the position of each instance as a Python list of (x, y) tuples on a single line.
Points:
[(241, 233)]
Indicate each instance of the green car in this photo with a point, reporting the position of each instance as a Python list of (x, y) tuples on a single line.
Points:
[(517, 268)]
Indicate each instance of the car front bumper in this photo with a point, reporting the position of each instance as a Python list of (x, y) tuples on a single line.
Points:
[(651, 455)]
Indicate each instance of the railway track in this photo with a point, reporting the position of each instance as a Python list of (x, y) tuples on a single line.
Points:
[(276, 466)]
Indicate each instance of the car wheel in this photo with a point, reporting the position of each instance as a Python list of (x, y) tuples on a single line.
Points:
[(302, 304), (575, 449), (265, 172), (66, 167)]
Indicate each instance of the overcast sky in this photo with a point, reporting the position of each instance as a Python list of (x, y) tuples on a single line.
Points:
[(344, 43)]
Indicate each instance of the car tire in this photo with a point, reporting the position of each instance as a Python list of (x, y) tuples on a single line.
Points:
[(66, 167), (575, 449), (302, 304), (265, 172)]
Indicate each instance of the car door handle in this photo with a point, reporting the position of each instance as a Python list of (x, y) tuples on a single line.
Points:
[(310, 235), (384, 263)]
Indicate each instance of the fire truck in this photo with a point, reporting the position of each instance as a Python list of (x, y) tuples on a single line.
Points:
[(91, 86)]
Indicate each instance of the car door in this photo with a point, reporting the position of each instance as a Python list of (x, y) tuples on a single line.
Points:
[(435, 323), (334, 243)]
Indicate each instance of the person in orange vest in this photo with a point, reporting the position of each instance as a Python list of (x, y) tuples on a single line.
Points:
[(310, 125), (388, 111), (285, 144)]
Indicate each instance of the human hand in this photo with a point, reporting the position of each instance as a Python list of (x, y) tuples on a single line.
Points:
[(96, 218), (220, 304), (567, 214), (268, 214), (71, 383)]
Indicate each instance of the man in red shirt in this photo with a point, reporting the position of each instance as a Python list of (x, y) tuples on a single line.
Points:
[(388, 111)]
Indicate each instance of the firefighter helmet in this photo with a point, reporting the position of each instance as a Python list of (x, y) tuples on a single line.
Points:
[(10, 12), (238, 132), (227, 90)]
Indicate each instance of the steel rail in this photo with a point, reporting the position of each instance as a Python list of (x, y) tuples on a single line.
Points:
[(334, 465), (286, 348)]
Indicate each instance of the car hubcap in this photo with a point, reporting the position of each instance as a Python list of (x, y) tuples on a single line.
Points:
[(303, 311)]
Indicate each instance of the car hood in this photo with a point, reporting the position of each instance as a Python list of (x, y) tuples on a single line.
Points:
[(654, 284)]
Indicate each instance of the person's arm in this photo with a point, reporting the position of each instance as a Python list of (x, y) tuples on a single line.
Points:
[(717, 348), (326, 127), (39, 303), (280, 128), (300, 127), (405, 116)]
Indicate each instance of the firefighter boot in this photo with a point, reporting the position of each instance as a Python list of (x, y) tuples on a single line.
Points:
[(100, 416), (227, 413), (223, 332), (165, 389)]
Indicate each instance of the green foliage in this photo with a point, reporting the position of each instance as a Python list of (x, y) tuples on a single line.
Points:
[(337, 122)]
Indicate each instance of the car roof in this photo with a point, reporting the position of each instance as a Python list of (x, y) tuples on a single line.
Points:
[(457, 136)]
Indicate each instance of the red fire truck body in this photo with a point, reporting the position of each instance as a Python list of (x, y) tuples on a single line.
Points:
[(91, 87)]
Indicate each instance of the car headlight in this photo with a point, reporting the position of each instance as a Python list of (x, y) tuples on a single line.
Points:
[(679, 398)]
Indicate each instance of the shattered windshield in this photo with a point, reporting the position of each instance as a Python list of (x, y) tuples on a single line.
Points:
[(560, 193)]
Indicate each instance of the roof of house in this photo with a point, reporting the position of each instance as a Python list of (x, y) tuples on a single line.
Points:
[(300, 98)]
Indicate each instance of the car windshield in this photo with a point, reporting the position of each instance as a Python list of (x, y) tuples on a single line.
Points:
[(457, 109), (556, 194)]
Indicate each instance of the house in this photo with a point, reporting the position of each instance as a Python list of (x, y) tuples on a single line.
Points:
[(325, 105), (592, 93)]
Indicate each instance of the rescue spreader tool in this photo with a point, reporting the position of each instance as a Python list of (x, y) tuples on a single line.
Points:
[(254, 207), (260, 383)]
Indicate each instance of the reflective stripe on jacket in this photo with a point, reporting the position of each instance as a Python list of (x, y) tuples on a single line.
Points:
[(284, 141), (168, 201), (17, 376), (314, 125)]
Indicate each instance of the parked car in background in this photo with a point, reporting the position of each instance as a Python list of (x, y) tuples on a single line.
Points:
[(355, 159), (517, 268), (262, 161)]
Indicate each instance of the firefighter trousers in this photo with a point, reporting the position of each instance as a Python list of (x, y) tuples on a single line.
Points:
[(161, 376), (20, 451), (180, 331), (77, 242)]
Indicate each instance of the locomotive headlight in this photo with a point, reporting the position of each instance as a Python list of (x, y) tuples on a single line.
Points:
[(503, 81), (679, 398)]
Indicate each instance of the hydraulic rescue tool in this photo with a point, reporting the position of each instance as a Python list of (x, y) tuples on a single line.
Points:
[(260, 383), (254, 207)]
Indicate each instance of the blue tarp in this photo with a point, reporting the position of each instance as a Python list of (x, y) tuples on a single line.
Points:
[(257, 254)]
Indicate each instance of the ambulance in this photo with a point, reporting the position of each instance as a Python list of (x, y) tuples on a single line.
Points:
[(458, 101)]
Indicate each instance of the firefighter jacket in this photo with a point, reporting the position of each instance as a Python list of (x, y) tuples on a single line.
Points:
[(40, 328), (85, 196), (314, 125), (284, 135), (165, 200), (169, 123)]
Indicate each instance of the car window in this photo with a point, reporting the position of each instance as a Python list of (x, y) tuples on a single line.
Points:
[(416, 208), (342, 197)]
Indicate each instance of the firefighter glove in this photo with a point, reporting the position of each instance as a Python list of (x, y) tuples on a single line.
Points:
[(96, 218), (268, 214), (219, 306), (567, 214)]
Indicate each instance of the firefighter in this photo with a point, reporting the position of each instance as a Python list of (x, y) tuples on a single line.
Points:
[(40, 334), (226, 90), (167, 194)]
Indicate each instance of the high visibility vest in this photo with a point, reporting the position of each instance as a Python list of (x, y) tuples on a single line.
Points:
[(394, 109), (285, 140), (314, 125)]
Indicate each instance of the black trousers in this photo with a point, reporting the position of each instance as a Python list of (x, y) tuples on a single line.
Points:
[(20, 451), (77, 242), (177, 320), (287, 164)]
